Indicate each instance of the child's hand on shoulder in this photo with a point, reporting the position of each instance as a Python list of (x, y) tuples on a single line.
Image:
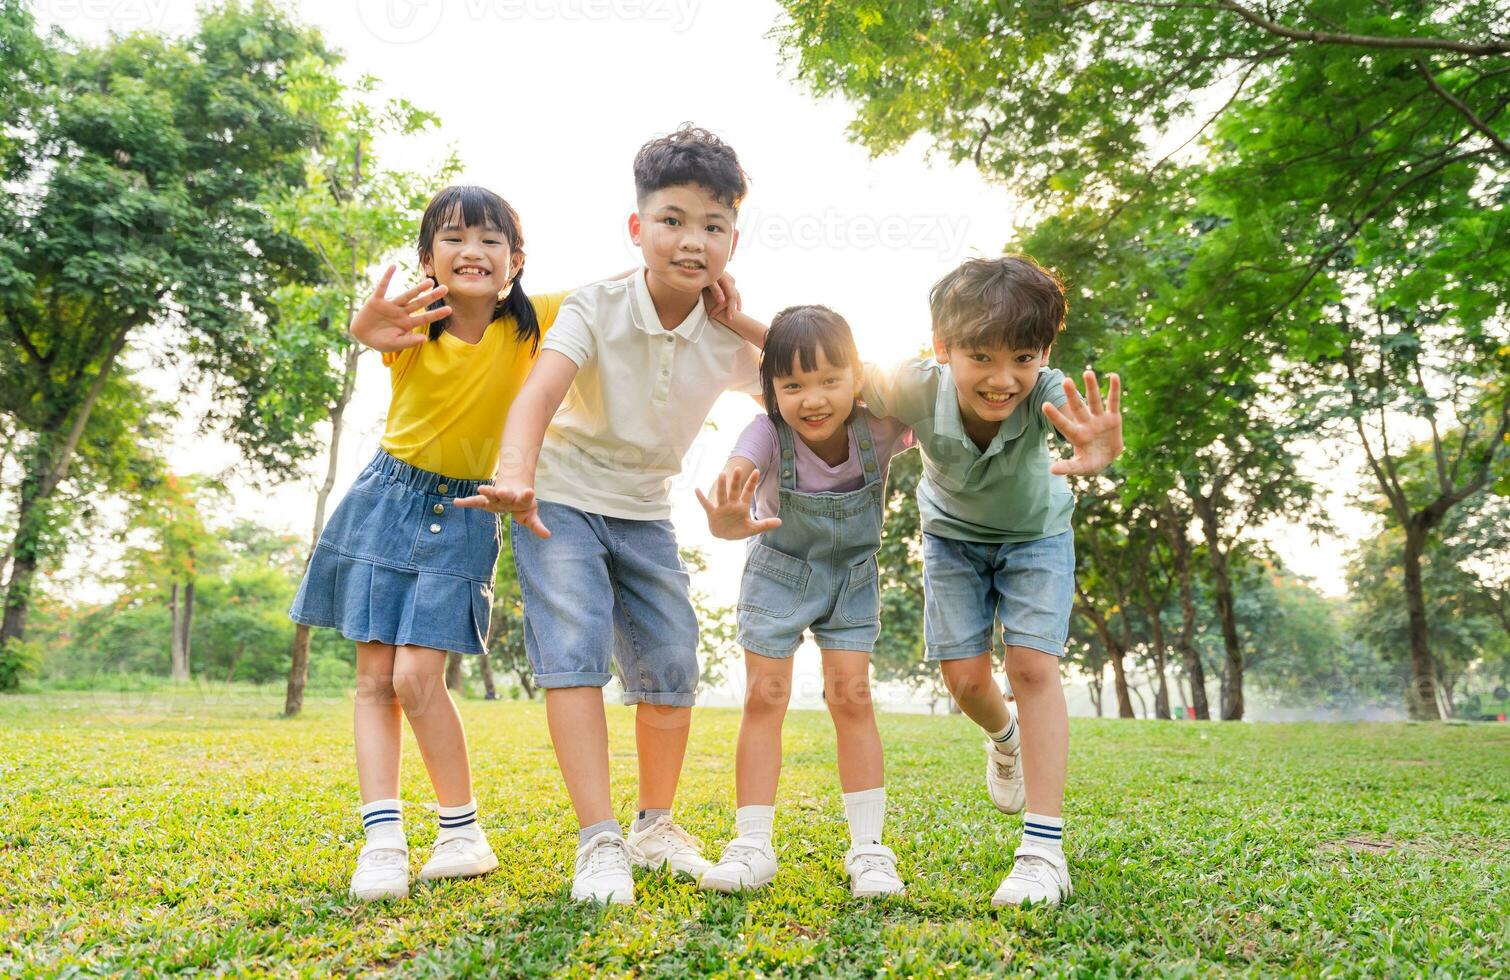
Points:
[(729, 510), (722, 299), (1094, 432), (389, 324), (517, 501)]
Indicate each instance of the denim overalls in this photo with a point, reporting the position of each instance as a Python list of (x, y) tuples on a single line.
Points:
[(818, 569)]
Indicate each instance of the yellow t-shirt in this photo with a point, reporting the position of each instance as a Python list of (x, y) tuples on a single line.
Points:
[(450, 398)]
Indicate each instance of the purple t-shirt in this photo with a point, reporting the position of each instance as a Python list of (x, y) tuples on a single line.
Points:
[(758, 444)]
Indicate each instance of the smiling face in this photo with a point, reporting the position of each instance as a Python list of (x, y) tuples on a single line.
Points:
[(990, 382), (817, 403), (686, 236), (474, 261)]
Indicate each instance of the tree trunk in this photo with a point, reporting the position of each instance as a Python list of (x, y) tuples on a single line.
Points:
[(485, 666), (188, 619), (454, 676), (1114, 653), (1161, 680), (1095, 688), (298, 668), (1142, 704), (44, 472), (178, 666), (1232, 670), (1421, 697), (1195, 671)]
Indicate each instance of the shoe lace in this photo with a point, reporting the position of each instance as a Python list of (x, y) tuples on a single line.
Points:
[(1005, 763), (740, 854), (674, 834), (611, 854), (874, 863), (1031, 867)]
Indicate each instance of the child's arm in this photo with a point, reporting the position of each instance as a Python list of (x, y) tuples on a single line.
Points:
[(390, 325), (729, 510), (744, 326), (513, 489), (1095, 434)]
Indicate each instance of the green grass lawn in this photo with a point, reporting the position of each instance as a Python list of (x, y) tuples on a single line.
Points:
[(197, 831)]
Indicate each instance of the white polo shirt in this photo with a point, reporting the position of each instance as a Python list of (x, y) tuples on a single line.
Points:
[(641, 395)]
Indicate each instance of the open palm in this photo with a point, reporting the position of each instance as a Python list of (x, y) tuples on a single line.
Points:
[(389, 324), (1092, 429), (729, 510)]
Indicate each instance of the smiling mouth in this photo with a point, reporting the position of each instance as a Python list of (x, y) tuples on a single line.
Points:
[(996, 399), (817, 420), (690, 265), (473, 272)]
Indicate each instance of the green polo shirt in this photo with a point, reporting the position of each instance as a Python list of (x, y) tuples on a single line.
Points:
[(1004, 493)]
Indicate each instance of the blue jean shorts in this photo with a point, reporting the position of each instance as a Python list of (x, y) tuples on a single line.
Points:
[(781, 597), (399, 563), (602, 591), (1028, 585)]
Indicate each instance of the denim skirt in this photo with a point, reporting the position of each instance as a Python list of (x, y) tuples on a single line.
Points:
[(399, 563)]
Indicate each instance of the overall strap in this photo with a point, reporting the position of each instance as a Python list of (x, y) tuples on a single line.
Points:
[(786, 461), (870, 467)]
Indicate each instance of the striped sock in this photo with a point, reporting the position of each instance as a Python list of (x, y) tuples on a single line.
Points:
[(1043, 831), (649, 816), (457, 821), (1007, 737), (383, 821)]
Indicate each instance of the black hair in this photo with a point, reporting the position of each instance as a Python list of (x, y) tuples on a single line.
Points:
[(1008, 301), (480, 207), (795, 337), (690, 156)]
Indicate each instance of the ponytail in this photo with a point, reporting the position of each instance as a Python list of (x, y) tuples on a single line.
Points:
[(517, 305)]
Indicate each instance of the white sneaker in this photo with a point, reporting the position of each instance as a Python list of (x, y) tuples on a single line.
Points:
[(1004, 778), (747, 862), (602, 872), (1039, 876), (461, 856), (664, 843), (382, 872), (872, 871)]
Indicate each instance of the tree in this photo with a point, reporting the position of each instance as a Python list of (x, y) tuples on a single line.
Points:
[(135, 200), (353, 214)]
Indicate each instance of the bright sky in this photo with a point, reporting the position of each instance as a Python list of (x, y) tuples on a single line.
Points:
[(546, 101)]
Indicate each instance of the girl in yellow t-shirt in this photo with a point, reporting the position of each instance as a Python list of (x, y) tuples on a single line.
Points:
[(399, 569)]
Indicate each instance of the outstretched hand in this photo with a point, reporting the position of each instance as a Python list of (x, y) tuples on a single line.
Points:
[(389, 324), (1094, 431), (729, 510), (519, 502)]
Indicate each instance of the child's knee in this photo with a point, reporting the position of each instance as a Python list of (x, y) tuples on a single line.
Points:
[(848, 698), (1030, 670), (767, 695), (967, 678)]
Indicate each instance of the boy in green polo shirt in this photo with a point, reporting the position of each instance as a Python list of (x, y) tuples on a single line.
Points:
[(997, 543)]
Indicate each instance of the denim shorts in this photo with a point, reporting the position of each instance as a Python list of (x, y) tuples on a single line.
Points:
[(399, 563), (602, 591), (1028, 585), (781, 597)]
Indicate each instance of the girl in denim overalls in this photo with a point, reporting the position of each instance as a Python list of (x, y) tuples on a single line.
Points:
[(806, 484)]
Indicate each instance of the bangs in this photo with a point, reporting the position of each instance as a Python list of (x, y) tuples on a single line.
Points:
[(467, 207)]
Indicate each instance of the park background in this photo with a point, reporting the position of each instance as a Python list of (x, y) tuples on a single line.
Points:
[(1282, 224)]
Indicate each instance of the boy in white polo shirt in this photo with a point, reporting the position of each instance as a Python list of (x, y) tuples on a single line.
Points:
[(638, 364)]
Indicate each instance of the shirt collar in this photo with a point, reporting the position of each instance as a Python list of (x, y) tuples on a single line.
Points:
[(947, 420), (649, 321)]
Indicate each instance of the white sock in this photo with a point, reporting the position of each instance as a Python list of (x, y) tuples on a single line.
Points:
[(1043, 831), (457, 821), (755, 822), (866, 812), (1008, 738), (383, 820)]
